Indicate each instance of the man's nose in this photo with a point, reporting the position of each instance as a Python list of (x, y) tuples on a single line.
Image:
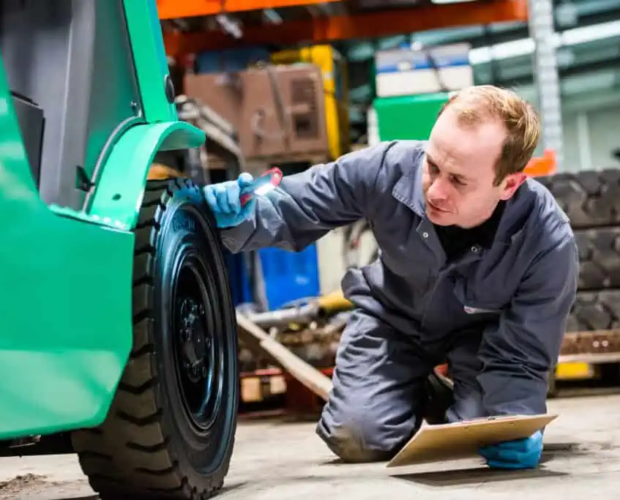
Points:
[(439, 189)]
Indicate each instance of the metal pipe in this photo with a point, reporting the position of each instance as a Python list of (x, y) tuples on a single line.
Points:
[(283, 317)]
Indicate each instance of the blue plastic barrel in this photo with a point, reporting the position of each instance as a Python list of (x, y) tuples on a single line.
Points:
[(289, 276)]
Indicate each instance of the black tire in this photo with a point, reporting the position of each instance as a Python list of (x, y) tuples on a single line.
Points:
[(150, 446), (595, 311), (599, 256), (589, 198)]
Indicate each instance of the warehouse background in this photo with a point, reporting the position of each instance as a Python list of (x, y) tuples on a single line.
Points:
[(587, 42), (100, 178), (586, 39), (301, 83)]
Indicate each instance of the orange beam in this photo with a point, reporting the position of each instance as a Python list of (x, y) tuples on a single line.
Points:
[(371, 25), (171, 9)]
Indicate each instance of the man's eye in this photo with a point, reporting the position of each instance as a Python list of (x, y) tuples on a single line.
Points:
[(458, 181)]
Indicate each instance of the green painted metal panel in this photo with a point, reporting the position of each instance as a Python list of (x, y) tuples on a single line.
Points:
[(65, 303), (65, 299), (120, 185), (408, 117), (119, 192), (147, 46)]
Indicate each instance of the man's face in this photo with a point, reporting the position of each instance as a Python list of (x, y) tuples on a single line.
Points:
[(459, 171)]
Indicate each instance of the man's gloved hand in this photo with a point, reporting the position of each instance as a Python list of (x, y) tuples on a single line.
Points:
[(519, 454), (223, 199)]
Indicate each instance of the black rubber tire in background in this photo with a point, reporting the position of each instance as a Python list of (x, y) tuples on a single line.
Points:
[(599, 257), (589, 198), (149, 447), (595, 311)]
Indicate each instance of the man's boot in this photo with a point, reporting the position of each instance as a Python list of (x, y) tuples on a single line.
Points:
[(439, 396)]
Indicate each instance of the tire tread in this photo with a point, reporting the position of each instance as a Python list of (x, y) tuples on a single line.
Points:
[(128, 455), (595, 311), (599, 256), (589, 198)]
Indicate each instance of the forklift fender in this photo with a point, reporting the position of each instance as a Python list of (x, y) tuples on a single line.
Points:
[(121, 184)]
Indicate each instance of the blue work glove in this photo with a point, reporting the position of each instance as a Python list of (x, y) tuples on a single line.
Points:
[(223, 199), (519, 454)]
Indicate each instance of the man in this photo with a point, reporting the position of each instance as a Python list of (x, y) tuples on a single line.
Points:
[(478, 266)]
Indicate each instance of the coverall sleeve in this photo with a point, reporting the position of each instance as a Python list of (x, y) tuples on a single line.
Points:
[(518, 353), (309, 204)]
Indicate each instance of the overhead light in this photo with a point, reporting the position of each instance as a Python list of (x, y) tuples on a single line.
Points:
[(229, 25), (526, 46), (272, 16), (590, 33)]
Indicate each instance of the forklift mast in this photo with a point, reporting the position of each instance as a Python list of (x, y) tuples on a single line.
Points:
[(86, 102)]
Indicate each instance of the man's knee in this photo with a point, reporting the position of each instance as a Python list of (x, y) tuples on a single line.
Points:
[(377, 389), (359, 439)]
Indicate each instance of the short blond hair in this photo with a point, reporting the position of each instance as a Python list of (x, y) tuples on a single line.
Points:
[(481, 102)]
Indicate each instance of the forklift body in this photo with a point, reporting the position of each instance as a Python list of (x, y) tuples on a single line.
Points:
[(89, 293), (66, 260)]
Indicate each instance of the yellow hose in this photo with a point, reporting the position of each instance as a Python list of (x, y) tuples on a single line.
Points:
[(334, 301), (159, 172)]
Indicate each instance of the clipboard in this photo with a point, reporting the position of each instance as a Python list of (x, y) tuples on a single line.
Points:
[(434, 443)]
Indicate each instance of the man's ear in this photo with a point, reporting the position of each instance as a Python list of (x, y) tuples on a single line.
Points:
[(511, 183)]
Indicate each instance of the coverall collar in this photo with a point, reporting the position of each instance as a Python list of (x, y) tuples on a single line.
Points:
[(408, 190)]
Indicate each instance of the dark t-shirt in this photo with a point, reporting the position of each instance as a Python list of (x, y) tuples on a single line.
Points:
[(456, 240)]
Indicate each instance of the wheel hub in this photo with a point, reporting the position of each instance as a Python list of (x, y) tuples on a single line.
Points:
[(197, 348), (195, 343)]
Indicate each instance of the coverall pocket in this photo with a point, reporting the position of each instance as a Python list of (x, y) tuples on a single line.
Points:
[(476, 300)]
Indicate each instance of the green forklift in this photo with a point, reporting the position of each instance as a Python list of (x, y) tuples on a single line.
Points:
[(118, 338)]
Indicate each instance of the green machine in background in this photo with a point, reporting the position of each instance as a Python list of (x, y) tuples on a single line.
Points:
[(118, 332), (408, 117), (412, 83)]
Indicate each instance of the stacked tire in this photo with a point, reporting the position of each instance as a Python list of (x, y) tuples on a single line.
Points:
[(591, 199)]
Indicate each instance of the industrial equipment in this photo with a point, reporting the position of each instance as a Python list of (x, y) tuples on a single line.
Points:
[(218, 159), (335, 88), (278, 110), (292, 109), (119, 336)]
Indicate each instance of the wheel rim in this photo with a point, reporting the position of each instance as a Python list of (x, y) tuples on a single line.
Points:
[(197, 340)]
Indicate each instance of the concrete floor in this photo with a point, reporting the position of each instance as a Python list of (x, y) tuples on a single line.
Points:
[(284, 461)]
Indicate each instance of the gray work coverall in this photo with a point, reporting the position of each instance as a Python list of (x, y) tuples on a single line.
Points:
[(497, 315)]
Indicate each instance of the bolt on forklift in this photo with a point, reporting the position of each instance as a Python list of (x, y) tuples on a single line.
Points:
[(119, 337)]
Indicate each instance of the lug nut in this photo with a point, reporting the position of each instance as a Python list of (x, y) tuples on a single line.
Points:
[(186, 335)]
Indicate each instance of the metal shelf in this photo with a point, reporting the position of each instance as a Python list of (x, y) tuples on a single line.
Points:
[(171, 9), (334, 21)]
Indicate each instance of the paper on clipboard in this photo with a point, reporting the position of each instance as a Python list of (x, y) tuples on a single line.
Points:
[(433, 443)]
